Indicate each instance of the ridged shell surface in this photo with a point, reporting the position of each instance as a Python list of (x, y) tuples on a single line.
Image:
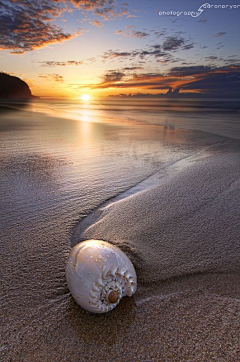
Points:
[(96, 268)]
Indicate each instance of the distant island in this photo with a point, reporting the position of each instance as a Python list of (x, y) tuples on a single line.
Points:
[(14, 88), (173, 93)]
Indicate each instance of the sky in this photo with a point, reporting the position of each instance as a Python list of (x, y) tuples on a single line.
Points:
[(101, 48)]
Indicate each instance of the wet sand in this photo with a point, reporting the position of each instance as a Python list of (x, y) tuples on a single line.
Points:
[(187, 304), (183, 238), (181, 231)]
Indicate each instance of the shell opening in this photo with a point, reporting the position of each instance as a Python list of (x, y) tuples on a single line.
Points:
[(113, 297), (110, 294)]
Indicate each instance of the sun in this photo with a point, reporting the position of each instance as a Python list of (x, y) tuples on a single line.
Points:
[(85, 97)]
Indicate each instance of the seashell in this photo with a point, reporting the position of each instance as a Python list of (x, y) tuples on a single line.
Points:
[(98, 275)]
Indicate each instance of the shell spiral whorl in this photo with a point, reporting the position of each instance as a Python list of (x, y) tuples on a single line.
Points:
[(98, 275)]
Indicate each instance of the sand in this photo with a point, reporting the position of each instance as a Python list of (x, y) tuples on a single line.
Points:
[(188, 231), (183, 237)]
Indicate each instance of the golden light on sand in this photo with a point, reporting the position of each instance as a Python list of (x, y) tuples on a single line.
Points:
[(85, 97)]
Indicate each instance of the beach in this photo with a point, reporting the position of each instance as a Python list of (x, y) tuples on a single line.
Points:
[(166, 194)]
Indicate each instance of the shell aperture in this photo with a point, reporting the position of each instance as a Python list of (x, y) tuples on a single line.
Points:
[(98, 275)]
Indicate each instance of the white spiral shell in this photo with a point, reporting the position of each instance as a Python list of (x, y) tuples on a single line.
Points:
[(98, 275)]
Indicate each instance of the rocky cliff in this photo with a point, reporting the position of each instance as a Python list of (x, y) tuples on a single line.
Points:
[(13, 88)]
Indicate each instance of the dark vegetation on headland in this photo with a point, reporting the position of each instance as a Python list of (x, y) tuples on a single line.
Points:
[(13, 88)]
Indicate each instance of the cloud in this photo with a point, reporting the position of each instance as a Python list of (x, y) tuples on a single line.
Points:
[(159, 33), (131, 16), (232, 60), (220, 45), (96, 23), (130, 32), (209, 80), (106, 13), (91, 60), (90, 5), (223, 81), (25, 25), (187, 71), (153, 51), (145, 80), (107, 9), (221, 33), (188, 46), (212, 57), (55, 77), (118, 54), (113, 76), (52, 63), (172, 43), (132, 68), (156, 51), (213, 81)]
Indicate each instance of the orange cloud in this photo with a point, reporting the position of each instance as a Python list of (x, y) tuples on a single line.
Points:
[(198, 79), (130, 32), (25, 25), (54, 76), (96, 23)]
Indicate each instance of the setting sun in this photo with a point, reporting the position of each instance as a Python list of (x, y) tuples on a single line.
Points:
[(85, 97)]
